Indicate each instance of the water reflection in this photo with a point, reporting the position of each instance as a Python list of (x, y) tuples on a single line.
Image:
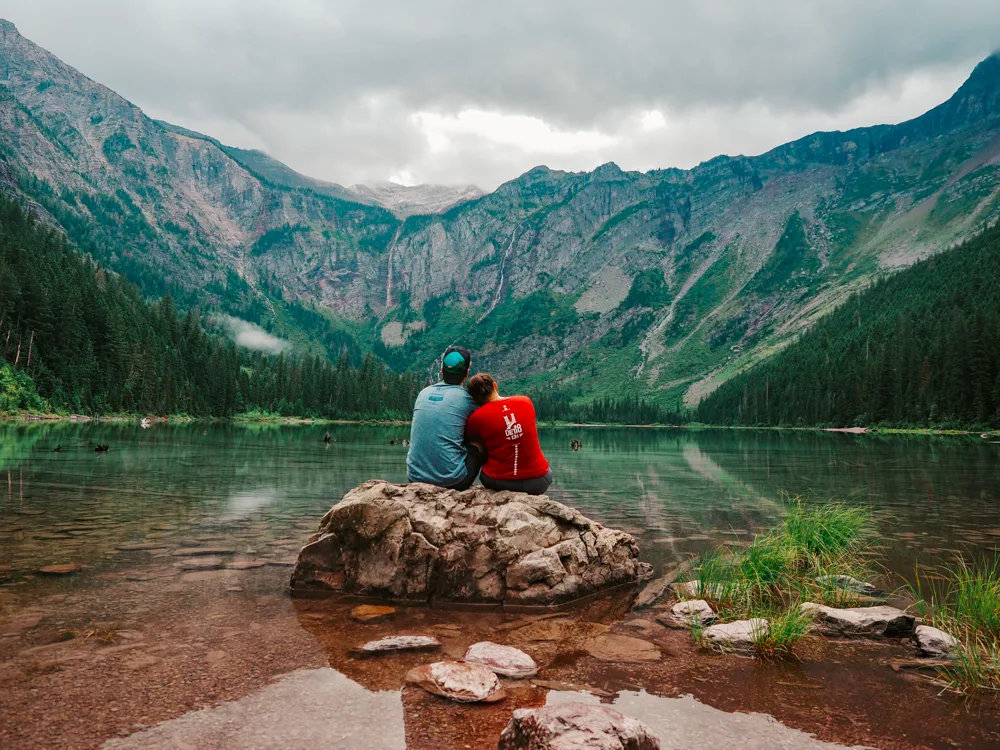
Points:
[(262, 488), (307, 709)]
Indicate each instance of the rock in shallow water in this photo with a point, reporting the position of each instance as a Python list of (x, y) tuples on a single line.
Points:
[(874, 621), (396, 643), (847, 583), (576, 726), (59, 570), (736, 636), (503, 660), (622, 648), (464, 683), (692, 611), (372, 613), (419, 542), (935, 643)]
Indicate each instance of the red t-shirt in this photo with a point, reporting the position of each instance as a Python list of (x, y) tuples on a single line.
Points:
[(507, 428)]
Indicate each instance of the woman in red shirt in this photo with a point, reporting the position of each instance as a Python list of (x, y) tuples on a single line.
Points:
[(507, 429)]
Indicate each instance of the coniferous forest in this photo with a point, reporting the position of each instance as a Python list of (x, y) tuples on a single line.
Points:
[(77, 337), (919, 348)]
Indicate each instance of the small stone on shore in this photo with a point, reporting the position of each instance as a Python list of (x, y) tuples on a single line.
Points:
[(736, 636), (692, 611), (464, 683), (935, 643), (372, 613)]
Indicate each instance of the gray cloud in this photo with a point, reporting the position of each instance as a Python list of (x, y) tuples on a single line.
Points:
[(252, 336), (345, 90)]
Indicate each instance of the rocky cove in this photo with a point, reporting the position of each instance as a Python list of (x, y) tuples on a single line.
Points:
[(177, 629)]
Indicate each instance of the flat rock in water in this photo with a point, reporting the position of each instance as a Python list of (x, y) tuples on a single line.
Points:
[(141, 546), (612, 647), (503, 660), (245, 564), (735, 636), (395, 643), (847, 583), (569, 632), (372, 613), (874, 621), (200, 563), (692, 611), (464, 683), (202, 551), (415, 541), (575, 726), (59, 570), (935, 643), (571, 687)]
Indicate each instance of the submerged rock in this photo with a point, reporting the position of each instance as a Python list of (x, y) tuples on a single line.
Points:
[(613, 647), (394, 643), (847, 583), (686, 588), (506, 661), (418, 542), (876, 621), (465, 683), (575, 726), (736, 636), (692, 611), (372, 613), (63, 569), (200, 563), (935, 643)]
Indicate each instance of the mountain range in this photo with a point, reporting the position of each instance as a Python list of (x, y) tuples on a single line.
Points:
[(664, 283)]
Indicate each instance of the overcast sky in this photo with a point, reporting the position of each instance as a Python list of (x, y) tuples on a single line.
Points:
[(459, 91)]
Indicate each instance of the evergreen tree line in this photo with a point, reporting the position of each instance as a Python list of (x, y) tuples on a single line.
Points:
[(92, 344), (919, 348), (553, 405)]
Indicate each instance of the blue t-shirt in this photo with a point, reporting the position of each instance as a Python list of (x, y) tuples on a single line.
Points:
[(437, 435)]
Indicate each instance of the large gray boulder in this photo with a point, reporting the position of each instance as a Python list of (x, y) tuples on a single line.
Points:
[(576, 726), (417, 542)]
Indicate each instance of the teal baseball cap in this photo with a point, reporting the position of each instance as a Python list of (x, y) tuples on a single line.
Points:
[(456, 361)]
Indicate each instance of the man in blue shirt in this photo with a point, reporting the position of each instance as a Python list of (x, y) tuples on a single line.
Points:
[(438, 453)]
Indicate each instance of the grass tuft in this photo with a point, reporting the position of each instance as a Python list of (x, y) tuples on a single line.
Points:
[(967, 606), (780, 569), (785, 629)]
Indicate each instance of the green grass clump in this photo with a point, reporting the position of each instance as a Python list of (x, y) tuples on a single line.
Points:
[(826, 534), (967, 606), (786, 628), (780, 569)]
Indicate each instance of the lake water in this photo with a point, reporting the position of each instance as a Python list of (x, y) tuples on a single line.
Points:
[(258, 491), (677, 491)]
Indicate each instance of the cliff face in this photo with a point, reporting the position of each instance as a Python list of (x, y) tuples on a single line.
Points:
[(602, 283)]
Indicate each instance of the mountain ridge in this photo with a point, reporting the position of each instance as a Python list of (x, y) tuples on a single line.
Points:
[(664, 282)]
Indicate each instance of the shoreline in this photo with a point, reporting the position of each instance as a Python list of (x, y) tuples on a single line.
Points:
[(692, 426)]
